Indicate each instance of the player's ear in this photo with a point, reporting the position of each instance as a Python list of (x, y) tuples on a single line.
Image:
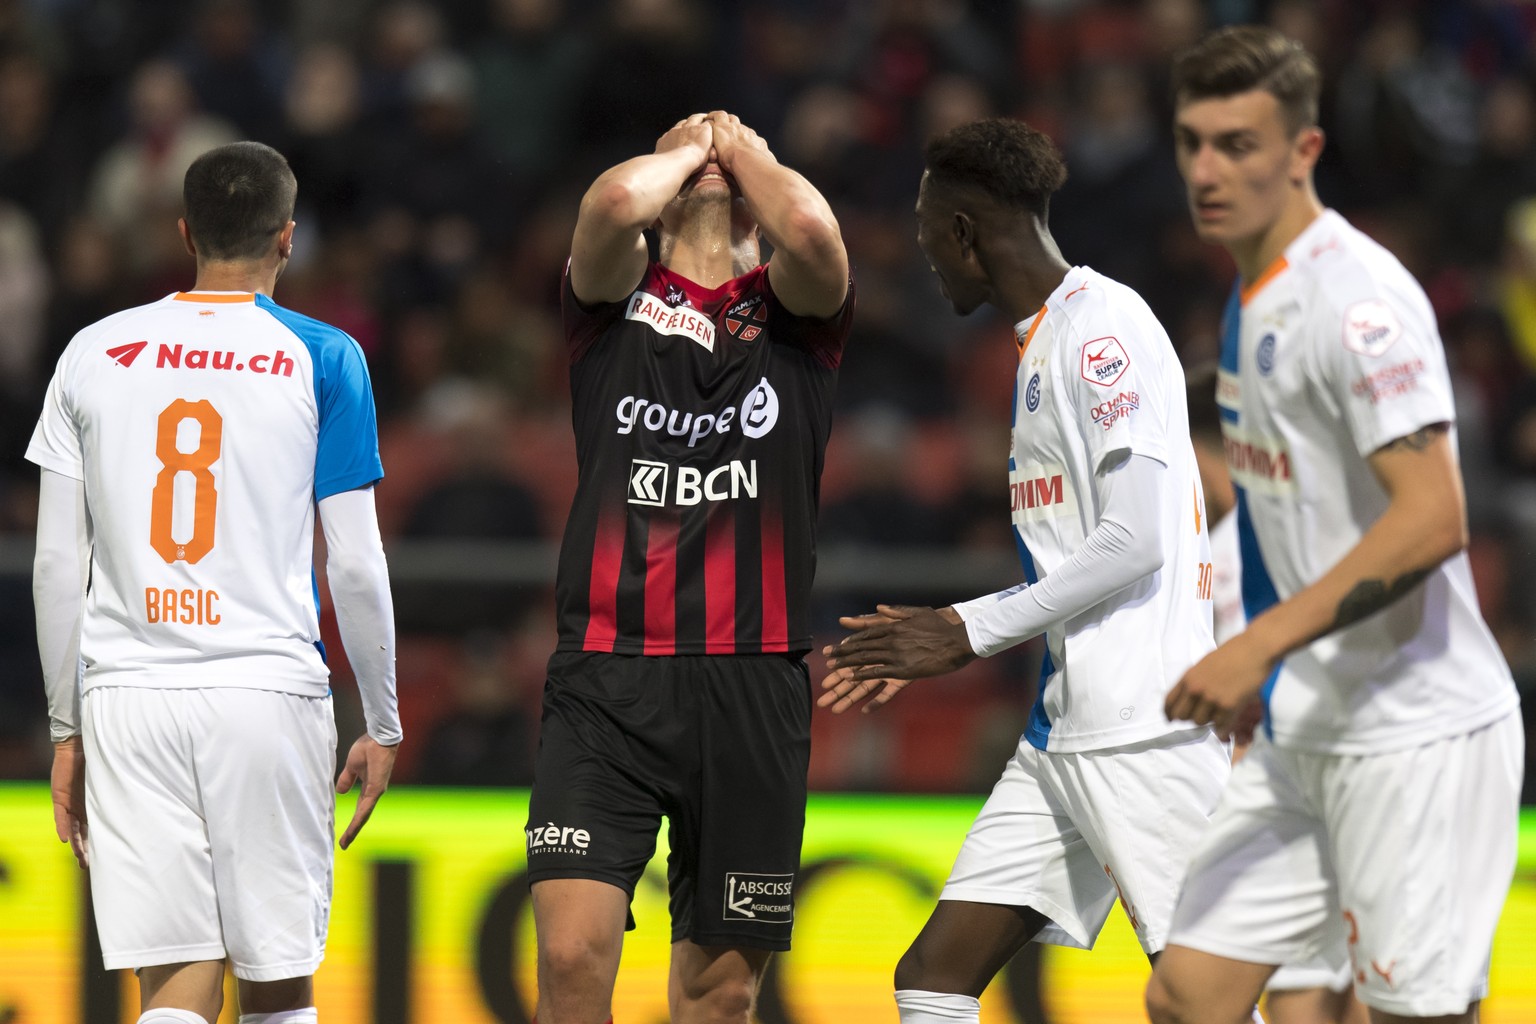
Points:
[(285, 240), (1304, 154), (186, 236), (965, 233)]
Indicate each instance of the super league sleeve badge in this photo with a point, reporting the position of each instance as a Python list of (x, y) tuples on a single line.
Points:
[(1371, 327), (1104, 361)]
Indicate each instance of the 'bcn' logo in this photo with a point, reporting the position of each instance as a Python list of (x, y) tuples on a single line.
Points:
[(648, 482)]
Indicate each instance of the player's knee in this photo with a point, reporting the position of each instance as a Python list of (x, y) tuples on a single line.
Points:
[(1163, 1006), (572, 959), (926, 970), (727, 1001), (912, 971)]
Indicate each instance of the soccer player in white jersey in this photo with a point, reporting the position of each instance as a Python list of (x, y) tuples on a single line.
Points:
[(1104, 796), (185, 447), (1319, 989), (1379, 800)]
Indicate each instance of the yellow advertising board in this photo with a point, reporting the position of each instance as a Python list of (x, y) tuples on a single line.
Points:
[(431, 922)]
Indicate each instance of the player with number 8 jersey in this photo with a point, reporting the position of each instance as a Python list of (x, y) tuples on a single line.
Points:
[(187, 447), (187, 417)]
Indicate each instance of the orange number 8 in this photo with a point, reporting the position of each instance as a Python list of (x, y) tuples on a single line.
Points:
[(195, 462)]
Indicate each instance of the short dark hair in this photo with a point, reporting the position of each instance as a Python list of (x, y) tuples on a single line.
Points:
[(1200, 396), (1004, 160), (237, 198), (1241, 58)]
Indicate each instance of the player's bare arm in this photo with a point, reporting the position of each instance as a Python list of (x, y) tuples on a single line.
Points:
[(1424, 524), (809, 268), (608, 252)]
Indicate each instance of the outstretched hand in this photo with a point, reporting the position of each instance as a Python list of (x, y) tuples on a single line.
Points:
[(371, 762), (844, 691), (67, 780), (898, 644)]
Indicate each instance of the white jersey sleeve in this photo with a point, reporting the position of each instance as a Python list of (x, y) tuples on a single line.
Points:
[(1117, 390), (1383, 365), (1125, 546), (58, 596)]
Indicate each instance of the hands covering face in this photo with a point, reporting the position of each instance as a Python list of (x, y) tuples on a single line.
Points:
[(718, 137)]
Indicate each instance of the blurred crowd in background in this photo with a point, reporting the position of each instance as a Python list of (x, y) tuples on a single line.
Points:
[(441, 150)]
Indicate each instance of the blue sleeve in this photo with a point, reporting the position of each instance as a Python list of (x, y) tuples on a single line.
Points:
[(347, 452)]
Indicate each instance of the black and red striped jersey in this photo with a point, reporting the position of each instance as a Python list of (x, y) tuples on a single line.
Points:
[(701, 418)]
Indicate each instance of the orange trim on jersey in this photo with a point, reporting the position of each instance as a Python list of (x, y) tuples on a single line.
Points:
[(214, 297), (1270, 273), (1029, 335)]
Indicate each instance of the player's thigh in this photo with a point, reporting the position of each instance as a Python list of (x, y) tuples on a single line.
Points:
[(579, 919), (736, 841), (152, 877), (963, 945), (1025, 851), (1190, 985), (1424, 842), (1259, 887), (609, 743), (1142, 809), (1316, 1004), (265, 761)]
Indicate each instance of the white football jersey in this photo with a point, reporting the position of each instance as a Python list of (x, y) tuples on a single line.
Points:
[(1332, 353), (1097, 376), (205, 427)]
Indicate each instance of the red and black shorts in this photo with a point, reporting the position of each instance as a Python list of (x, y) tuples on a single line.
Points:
[(719, 744)]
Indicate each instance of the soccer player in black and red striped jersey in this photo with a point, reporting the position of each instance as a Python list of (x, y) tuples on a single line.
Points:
[(702, 390)]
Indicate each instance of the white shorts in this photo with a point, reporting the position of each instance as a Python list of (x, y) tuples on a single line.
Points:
[(211, 824), (1330, 970), (1065, 833), (1406, 856)]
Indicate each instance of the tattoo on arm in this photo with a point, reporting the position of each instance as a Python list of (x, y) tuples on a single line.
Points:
[(1418, 440), (1370, 596)]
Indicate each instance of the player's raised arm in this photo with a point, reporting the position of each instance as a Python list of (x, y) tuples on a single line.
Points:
[(608, 253), (809, 268), (359, 582)]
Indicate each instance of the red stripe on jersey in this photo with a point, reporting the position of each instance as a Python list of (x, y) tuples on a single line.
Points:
[(661, 585), (603, 592), (720, 581), (775, 606)]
